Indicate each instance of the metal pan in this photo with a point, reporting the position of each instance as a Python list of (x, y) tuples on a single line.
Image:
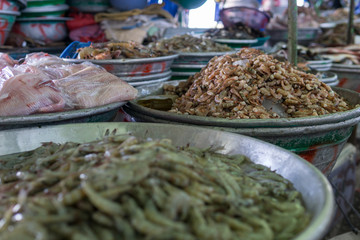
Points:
[(199, 58), (156, 89), (132, 67), (315, 188), (317, 139), (147, 77), (153, 81), (96, 114)]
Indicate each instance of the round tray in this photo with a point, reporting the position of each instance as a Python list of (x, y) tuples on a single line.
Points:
[(315, 188), (96, 114), (132, 67)]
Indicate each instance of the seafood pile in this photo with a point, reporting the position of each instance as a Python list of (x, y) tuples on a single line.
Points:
[(119, 50), (238, 31), (348, 55), (45, 83), (122, 187), (188, 43), (251, 84)]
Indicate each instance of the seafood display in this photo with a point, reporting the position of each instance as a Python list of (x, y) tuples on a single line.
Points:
[(307, 18), (238, 31), (128, 188), (188, 43), (335, 37), (119, 50), (44, 83), (251, 84), (349, 55)]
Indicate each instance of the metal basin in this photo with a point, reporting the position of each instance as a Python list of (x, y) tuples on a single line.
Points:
[(317, 139), (97, 114), (132, 67), (198, 58), (348, 76), (315, 188)]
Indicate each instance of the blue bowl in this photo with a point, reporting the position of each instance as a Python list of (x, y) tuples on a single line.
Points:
[(126, 5)]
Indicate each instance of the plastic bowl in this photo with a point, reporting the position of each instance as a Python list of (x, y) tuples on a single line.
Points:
[(90, 5), (41, 3), (251, 17), (7, 20), (42, 29), (126, 5), (11, 5), (45, 11)]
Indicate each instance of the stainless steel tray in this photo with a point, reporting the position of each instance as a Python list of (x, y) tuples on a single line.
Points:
[(313, 185), (132, 67), (96, 114)]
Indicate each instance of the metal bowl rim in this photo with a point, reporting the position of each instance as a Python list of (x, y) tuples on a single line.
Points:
[(124, 61), (316, 229), (59, 116), (213, 121)]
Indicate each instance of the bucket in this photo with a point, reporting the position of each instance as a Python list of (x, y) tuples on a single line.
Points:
[(7, 19)]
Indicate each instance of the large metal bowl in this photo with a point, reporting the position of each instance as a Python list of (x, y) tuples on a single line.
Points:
[(348, 75), (198, 58), (315, 188), (96, 114), (132, 67), (318, 139)]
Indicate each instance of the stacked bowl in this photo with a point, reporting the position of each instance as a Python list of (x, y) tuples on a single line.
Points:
[(43, 21), (9, 10)]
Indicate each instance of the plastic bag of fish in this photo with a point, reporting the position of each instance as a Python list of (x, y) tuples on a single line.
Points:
[(45, 83)]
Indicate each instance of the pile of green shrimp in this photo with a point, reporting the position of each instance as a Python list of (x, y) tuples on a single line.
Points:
[(125, 188)]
